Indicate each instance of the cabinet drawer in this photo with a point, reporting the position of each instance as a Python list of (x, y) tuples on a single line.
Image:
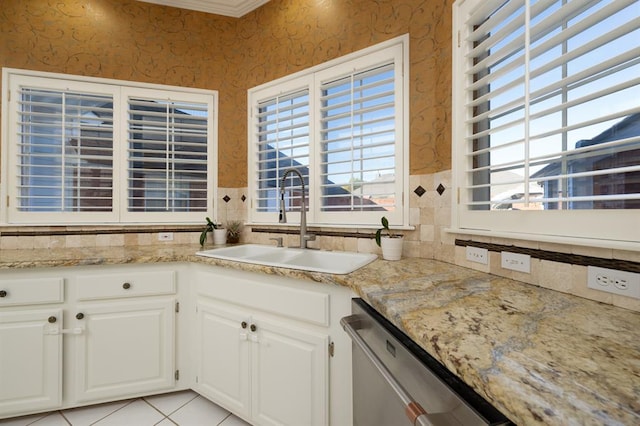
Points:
[(31, 291), (126, 284)]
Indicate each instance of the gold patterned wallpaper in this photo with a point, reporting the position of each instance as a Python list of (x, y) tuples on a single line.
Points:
[(130, 40)]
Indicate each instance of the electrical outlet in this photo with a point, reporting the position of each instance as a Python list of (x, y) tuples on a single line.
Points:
[(613, 281), (165, 236), (516, 261), (478, 255)]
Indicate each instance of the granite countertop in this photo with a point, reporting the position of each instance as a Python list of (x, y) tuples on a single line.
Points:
[(539, 356)]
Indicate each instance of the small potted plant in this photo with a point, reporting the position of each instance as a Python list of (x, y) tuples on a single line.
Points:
[(390, 243), (219, 233), (234, 229)]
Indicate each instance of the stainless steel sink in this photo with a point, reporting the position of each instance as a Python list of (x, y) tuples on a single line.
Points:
[(331, 262)]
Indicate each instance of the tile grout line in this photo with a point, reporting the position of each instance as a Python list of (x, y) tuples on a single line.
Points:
[(225, 419), (174, 411), (65, 417), (115, 411)]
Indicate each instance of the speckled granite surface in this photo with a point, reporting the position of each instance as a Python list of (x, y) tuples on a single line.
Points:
[(541, 357)]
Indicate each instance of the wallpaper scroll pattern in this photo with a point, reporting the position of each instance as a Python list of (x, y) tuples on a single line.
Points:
[(130, 40)]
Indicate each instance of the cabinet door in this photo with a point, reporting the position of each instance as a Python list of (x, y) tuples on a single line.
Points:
[(223, 355), (30, 361), (290, 375), (127, 348)]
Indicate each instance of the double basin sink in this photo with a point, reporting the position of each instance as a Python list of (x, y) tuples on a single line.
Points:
[(331, 262)]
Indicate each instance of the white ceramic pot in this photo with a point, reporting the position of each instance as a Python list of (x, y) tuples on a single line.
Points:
[(219, 236), (391, 248)]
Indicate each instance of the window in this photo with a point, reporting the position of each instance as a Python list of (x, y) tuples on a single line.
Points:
[(546, 120), (342, 126), (99, 151)]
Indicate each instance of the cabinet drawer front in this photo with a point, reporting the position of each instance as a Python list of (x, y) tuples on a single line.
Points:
[(126, 284), (31, 291)]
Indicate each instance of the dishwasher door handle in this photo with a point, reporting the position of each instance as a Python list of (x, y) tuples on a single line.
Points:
[(416, 414)]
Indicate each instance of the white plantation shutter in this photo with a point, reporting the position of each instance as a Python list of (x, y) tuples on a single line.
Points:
[(167, 155), (548, 96), (282, 136), (60, 151), (83, 150), (342, 126), (358, 138)]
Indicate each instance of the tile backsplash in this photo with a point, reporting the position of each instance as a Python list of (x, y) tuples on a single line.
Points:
[(429, 214)]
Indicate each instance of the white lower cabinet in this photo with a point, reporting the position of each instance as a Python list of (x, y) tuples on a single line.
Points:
[(269, 372), (262, 347), (289, 375), (31, 322), (126, 348), (222, 353), (30, 360), (127, 344), (88, 335)]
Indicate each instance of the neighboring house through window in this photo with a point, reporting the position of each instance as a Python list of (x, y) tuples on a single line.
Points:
[(546, 120)]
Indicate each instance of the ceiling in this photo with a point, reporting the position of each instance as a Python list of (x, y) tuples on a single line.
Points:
[(235, 8)]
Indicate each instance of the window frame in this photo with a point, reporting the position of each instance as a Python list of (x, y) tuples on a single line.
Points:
[(618, 229), (396, 49), (11, 215)]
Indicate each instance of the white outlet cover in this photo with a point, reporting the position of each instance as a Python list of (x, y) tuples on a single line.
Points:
[(516, 261), (614, 281), (478, 255)]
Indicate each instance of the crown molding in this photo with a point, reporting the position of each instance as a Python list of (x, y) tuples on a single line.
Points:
[(233, 8)]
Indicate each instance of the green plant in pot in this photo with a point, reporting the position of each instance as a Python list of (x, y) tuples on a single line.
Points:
[(234, 229), (390, 243), (209, 227)]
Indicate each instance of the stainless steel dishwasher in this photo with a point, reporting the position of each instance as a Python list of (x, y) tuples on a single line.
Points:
[(395, 382)]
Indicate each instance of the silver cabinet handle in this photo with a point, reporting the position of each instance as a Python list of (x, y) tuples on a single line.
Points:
[(416, 414)]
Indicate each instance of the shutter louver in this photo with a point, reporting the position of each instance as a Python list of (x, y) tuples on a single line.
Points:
[(553, 104), (358, 137), (167, 155), (65, 151), (283, 143)]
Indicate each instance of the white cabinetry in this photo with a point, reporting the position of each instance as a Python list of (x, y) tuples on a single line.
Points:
[(113, 336), (128, 342), (255, 343), (262, 348), (30, 344), (222, 350), (290, 375)]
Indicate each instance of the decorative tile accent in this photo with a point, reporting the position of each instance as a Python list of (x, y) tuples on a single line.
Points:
[(440, 189), (226, 198), (243, 198), (419, 191)]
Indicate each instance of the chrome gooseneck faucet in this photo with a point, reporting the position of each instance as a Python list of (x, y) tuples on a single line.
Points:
[(304, 237)]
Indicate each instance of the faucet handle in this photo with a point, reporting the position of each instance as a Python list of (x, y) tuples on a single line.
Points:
[(278, 241)]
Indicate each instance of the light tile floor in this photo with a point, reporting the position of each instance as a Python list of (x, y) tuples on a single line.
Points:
[(185, 408)]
